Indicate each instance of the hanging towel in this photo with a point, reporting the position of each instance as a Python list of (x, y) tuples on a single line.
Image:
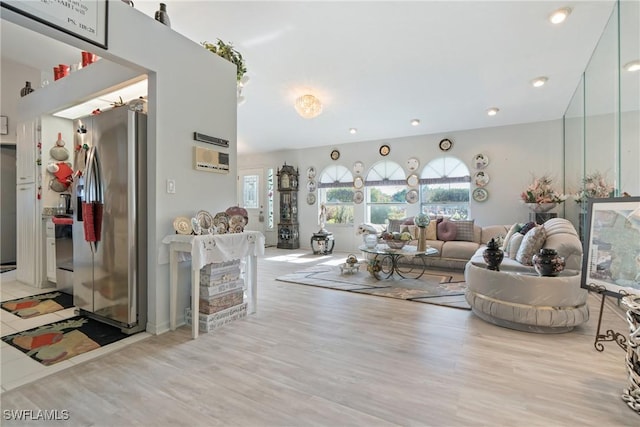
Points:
[(88, 222), (97, 220)]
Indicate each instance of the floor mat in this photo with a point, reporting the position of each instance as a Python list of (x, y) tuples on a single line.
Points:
[(55, 342), (36, 305)]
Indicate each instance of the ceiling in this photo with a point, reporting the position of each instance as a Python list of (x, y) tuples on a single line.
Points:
[(377, 65)]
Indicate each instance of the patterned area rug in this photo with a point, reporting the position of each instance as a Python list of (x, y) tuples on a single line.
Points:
[(55, 342), (434, 287), (36, 305)]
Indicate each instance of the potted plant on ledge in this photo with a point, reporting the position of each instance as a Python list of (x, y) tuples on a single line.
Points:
[(226, 51)]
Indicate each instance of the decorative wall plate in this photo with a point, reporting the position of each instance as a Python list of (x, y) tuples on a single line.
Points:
[(182, 225), (413, 180), (481, 178), (480, 194), (311, 198), (358, 167), (384, 150), (311, 172), (480, 161), (311, 186), (204, 219), (413, 164), (358, 197), (335, 155), (445, 144), (358, 182), (411, 196)]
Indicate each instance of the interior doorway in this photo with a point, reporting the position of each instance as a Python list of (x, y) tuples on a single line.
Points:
[(8, 206)]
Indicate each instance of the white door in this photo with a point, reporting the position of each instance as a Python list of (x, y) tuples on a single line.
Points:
[(251, 196)]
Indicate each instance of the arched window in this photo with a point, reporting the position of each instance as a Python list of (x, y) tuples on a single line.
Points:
[(445, 184), (386, 189), (335, 190)]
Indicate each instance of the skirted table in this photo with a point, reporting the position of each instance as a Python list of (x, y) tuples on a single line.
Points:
[(208, 249)]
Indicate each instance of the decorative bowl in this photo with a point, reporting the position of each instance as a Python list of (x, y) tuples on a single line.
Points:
[(396, 244)]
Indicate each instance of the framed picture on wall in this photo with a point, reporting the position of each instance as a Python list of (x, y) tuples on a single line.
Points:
[(611, 262), (4, 125)]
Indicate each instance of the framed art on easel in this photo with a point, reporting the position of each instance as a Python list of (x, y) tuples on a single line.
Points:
[(611, 259)]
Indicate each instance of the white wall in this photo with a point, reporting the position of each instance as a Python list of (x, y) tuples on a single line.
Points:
[(190, 89), (12, 79), (516, 153)]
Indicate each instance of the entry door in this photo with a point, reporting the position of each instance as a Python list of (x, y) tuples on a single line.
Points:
[(251, 196)]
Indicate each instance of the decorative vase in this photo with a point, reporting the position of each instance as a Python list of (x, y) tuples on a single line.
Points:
[(493, 255), (370, 240), (162, 15), (422, 239), (547, 262), (26, 90), (540, 207)]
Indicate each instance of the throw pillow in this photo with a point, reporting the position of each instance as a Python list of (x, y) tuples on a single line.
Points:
[(514, 229), (432, 230), (409, 221), (528, 226), (514, 245), (464, 230), (447, 231), (531, 244)]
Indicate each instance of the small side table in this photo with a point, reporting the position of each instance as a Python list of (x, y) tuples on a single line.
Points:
[(322, 243)]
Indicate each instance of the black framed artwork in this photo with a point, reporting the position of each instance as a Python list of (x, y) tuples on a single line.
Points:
[(611, 259), (86, 20)]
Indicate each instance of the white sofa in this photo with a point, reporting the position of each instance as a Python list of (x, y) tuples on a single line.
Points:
[(516, 297)]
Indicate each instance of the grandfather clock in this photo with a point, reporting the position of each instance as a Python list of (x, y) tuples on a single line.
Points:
[(288, 228)]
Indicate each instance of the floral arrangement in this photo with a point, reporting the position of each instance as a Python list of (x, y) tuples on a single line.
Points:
[(541, 191), (421, 220), (594, 186)]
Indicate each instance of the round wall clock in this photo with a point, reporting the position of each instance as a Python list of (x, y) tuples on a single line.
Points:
[(385, 150), (445, 144), (335, 155), (413, 164), (358, 167)]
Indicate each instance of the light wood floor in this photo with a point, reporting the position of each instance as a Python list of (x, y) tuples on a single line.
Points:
[(313, 356)]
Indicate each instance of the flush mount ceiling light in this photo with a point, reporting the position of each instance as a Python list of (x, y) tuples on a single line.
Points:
[(560, 15), (539, 81), (353, 131), (415, 122), (308, 106), (633, 65), (492, 111)]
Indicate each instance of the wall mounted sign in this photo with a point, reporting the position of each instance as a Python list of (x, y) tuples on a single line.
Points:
[(86, 20)]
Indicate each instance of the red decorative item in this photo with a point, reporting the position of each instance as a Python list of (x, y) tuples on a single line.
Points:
[(56, 73), (64, 70)]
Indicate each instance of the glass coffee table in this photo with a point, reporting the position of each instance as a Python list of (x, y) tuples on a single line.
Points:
[(387, 261)]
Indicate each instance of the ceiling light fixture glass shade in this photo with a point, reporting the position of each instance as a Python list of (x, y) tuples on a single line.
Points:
[(308, 106), (493, 111), (353, 131), (633, 65), (560, 15), (415, 122), (539, 81)]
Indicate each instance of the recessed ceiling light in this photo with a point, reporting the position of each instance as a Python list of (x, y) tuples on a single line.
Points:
[(492, 111), (353, 131), (633, 65), (559, 15), (539, 81), (415, 122)]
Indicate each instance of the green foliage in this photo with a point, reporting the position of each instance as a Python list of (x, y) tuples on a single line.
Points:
[(336, 195), (380, 213), (337, 214), (446, 195), (227, 52)]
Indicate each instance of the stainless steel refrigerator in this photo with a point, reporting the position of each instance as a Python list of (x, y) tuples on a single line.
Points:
[(109, 235)]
